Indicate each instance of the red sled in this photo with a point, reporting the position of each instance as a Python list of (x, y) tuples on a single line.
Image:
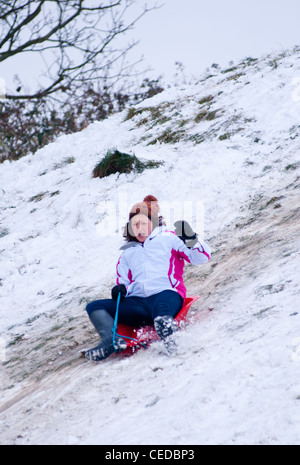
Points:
[(143, 337)]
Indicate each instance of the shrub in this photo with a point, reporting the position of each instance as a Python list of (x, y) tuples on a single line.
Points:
[(118, 162)]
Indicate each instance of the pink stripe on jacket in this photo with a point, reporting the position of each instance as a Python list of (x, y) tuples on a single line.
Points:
[(158, 264)]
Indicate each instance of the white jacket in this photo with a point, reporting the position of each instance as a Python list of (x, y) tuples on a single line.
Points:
[(157, 265)]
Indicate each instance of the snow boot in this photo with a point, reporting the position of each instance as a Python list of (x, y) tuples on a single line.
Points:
[(165, 327), (103, 324)]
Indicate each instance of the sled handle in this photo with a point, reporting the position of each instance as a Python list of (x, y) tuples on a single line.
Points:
[(115, 327)]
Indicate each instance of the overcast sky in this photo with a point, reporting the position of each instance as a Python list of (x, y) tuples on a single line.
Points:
[(201, 32)]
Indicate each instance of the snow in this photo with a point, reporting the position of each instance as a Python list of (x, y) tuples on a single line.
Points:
[(235, 379)]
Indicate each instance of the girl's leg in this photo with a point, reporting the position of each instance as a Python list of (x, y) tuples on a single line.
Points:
[(165, 306), (132, 311), (103, 324), (166, 303), (104, 304), (140, 311)]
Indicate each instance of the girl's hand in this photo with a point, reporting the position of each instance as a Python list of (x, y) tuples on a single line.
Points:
[(120, 288), (184, 231)]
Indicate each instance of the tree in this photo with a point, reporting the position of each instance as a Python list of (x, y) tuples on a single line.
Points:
[(78, 39)]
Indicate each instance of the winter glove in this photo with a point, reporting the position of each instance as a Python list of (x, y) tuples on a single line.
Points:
[(120, 288), (184, 231)]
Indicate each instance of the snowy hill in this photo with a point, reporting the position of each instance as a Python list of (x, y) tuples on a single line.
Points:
[(230, 142)]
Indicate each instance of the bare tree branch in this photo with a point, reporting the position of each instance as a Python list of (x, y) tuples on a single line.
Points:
[(13, 31), (78, 38)]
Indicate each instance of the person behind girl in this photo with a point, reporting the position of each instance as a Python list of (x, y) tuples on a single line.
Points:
[(149, 279)]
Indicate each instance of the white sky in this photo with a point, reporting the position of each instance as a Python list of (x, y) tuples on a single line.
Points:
[(199, 33)]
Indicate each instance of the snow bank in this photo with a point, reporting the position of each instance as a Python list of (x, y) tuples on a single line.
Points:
[(229, 143)]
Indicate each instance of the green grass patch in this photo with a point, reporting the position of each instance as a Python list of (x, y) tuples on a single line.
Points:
[(118, 162)]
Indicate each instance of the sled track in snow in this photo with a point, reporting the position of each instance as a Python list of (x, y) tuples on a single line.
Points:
[(52, 348)]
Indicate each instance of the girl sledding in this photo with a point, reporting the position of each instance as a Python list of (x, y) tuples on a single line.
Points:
[(149, 287)]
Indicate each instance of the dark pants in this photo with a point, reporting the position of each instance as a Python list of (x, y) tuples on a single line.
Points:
[(141, 311)]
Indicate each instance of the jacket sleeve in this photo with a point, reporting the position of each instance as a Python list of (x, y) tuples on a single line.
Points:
[(198, 255), (124, 275)]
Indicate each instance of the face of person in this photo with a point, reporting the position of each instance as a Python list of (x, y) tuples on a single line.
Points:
[(141, 227)]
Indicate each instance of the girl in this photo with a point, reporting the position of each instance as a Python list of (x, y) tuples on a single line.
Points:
[(149, 279)]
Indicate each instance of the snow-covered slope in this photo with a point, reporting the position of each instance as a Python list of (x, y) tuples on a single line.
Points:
[(231, 143)]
